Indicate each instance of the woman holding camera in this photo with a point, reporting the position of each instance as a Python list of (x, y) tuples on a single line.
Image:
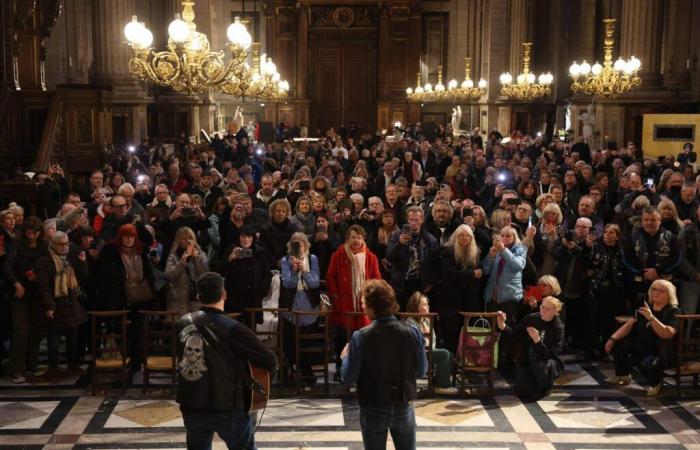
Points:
[(646, 340), (185, 263), (246, 268), (299, 291)]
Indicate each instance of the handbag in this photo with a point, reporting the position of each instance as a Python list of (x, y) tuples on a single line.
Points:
[(475, 344), (138, 291)]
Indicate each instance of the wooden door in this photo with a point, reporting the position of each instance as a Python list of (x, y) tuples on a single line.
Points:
[(342, 82)]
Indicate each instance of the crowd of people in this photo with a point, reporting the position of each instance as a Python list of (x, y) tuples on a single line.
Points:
[(558, 238)]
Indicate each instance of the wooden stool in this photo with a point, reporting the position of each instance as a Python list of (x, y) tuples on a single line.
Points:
[(428, 336), (159, 345), (109, 348), (324, 349)]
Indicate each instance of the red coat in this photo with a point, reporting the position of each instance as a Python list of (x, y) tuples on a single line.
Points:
[(339, 283)]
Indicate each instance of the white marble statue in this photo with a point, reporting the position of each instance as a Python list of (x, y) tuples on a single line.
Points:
[(456, 120), (588, 120)]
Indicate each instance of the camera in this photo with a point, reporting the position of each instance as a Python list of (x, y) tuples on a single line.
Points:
[(295, 249), (187, 212), (501, 177), (406, 229), (467, 212), (305, 185), (153, 253), (650, 182), (247, 252), (513, 201), (322, 229), (569, 235)]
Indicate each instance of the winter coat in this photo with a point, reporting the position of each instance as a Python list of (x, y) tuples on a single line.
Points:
[(460, 289), (68, 312), (339, 282), (182, 277), (247, 280), (508, 286), (274, 238), (399, 257), (111, 279)]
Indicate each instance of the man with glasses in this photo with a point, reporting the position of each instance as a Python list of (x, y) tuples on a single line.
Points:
[(119, 216)]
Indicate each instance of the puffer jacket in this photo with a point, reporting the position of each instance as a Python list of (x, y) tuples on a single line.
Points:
[(181, 276), (508, 286)]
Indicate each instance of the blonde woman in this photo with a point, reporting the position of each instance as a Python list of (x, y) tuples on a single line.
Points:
[(549, 229), (461, 286), (543, 334), (442, 358), (183, 267), (669, 216), (646, 339)]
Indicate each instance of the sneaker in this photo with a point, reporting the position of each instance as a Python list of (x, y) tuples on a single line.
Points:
[(654, 390), (447, 391), (36, 372), (620, 380), (17, 378)]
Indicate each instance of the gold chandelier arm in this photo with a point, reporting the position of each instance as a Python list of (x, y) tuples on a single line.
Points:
[(609, 41), (527, 48)]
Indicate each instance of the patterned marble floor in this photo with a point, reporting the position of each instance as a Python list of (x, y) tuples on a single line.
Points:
[(581, 413)]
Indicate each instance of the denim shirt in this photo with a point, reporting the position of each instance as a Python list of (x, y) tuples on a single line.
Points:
[(289, 280), (352, 364)]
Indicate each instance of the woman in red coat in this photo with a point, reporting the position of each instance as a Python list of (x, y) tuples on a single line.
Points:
[(351, 265)]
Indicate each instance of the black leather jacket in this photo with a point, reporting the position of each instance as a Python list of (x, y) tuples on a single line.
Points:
[(208, 379)]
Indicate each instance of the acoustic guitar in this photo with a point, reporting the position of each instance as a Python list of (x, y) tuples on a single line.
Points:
[(257, 388)]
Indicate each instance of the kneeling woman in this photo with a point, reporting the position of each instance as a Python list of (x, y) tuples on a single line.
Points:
[(544, 333), (646, 339)]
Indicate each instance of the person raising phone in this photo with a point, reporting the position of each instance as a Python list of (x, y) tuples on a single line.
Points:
[(646, 340)]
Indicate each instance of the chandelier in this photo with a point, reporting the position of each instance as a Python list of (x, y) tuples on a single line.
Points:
[(610, 79), (464, 92), (262, 82), (189, 65), (525, 88), (467, 91)]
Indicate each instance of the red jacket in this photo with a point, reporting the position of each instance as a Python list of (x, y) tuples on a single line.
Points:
[(339, 283)]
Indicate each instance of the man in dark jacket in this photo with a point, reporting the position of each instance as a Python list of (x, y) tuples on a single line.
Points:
[(386, 378), (214, 352), (412, 257)]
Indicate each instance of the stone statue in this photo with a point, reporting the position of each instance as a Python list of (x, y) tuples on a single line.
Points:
[(238, 119), (588, 120), (456, 120)]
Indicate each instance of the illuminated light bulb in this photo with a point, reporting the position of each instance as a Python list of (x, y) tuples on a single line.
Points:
[(619, 65), (574, 69), (482, 84), (133, 30), (178, 30), (452, 84), (409, 91), (585, 68), (596, 69)]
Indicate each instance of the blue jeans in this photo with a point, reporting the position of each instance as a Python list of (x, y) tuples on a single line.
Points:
[(398, 418), (234, 428)]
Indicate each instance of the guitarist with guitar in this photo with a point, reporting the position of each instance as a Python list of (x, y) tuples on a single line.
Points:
[(224, 371)]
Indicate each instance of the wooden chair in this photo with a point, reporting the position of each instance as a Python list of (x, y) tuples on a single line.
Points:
[(277, 335), (159, 340), (688, 350), (109, 346), (320, 344), (429, 342), (463, 365)]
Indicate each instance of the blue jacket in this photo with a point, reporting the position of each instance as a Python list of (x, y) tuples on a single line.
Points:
[(509, 285)]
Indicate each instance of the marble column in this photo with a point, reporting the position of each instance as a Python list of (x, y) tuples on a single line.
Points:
[(494, 51), (641, 36), (111, 55), (585, 32), (518, 34), (677, 53), (302, 75), (460, 30)]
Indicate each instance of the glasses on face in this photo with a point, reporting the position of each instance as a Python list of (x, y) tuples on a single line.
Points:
[(122, 205)]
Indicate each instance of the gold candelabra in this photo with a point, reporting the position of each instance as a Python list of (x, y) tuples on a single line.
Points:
[(610, 79), (466, 91), (189, 65), (526, 87)]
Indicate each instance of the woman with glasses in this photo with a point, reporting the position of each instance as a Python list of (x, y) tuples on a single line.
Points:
[(646, 340)]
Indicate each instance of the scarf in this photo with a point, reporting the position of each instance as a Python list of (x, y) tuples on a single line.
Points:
[(65, 281), (305, 268), (132, 264), (357, 264)]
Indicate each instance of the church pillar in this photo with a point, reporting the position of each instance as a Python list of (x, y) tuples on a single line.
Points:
[(640, 33), (585, 32), (302, 74), (518, 34)]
